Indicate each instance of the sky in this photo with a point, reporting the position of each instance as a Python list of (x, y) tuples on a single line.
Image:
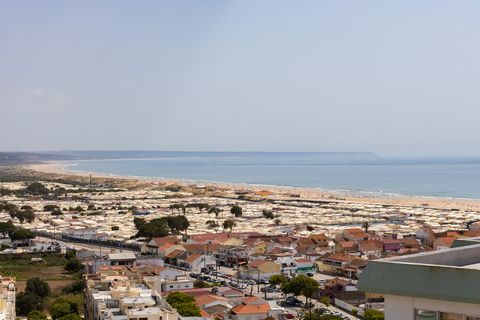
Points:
[(393, 77)]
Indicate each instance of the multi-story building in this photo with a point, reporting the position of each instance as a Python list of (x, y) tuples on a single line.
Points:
[(124, 299), (433, 285), (7, 299)]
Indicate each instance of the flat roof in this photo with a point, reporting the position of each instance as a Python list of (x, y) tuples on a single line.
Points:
[(450, 274)]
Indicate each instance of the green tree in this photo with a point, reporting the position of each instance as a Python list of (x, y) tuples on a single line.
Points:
[(184, 304), (277, 222), (301, 285), (38, 287), (36, 315), (212, 224), (73, 265), (154, 228), (71, 316), (199, 283), (267, 214), (229, 224), (115, 228), (138, 222), (278, 279), (23, 215), (27, 302), (177, 223), (78, 209), (372, 314), (325, 300), (202, 206), (236, 211), (37, 188), (50, 208), (7, 228), (188, 310), (61, 308), (215, 210), (22, 235), (179, 297)]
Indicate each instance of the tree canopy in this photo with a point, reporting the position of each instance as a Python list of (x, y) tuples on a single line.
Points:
[(372, 314), (229, 224), (27, 302), (22, 235), (154, 228), (236, 211), (38, 188), (36, 315), (62, 308), (184, 304), (138, 222), (7, 228), (38, 286), (301, 285), (268, 214), (177, 223), (278, 279), (73, 265)]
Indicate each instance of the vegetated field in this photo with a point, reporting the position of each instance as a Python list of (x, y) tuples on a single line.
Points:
[(50, 269)]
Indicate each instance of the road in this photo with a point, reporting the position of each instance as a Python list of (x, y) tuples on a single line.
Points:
[(79, 246), (255, 289)]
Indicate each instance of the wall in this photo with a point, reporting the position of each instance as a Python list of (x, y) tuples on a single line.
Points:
[(402, 308), (347, 306)]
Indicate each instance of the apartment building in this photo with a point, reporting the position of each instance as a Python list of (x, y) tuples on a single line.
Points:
[(7, 299), (120, 298), (434, 285)]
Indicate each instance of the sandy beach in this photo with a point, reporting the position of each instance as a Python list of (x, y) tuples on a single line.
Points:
[(61, 169)]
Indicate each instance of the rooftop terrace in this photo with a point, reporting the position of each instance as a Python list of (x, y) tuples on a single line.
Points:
[(452, 274)]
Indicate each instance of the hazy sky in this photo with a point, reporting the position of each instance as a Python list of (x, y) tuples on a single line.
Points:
[(393, 77)]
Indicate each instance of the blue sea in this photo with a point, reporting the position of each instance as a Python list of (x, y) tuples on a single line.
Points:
[(346, 172)]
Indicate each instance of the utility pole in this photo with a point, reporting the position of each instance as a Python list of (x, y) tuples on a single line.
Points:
[(258, 281)]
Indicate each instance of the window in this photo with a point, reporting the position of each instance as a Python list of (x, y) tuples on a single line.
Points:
[(425, 315), (450, 316)]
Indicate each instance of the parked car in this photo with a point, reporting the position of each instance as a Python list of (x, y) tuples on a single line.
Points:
[(310, 274), (294, 301), (267, 289)]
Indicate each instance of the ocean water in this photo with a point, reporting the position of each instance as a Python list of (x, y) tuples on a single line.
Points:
[(346, 172)]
